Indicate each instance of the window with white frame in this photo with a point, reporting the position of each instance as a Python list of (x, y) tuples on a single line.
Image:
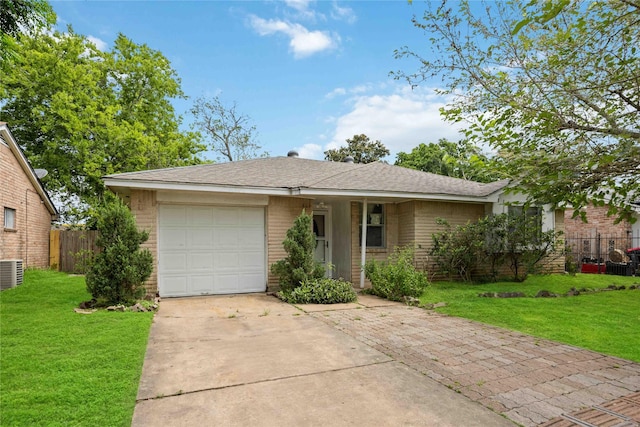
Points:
[(375, 225), (9, 218)]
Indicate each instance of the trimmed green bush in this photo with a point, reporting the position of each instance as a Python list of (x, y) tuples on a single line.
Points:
[(299, 266), (397, 277), (118, 272), (320, 291)]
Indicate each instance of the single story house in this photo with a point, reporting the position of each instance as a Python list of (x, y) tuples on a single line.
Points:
[(25, 207), (217, 228)]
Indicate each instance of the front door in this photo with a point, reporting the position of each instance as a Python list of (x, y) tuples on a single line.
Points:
[(322, 231)]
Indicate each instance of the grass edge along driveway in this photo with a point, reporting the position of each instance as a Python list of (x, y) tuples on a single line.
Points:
[(58, 367), (605, 321)]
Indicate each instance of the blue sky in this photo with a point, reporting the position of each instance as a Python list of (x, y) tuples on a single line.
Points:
[(309, 73)]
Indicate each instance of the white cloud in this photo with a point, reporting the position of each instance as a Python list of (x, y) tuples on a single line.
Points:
[(302, 42), (343, 13), (302, 11), (400, 120), (100, 44), (299, 5), (310, 151), (340, 91)]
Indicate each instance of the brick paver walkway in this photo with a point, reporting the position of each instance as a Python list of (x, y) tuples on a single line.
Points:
[(529, 380)]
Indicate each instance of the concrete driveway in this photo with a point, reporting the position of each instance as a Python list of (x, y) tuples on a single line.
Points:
[(253, 360)]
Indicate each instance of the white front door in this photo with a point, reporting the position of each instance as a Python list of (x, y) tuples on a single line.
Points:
[(210, 250), (322, 231)]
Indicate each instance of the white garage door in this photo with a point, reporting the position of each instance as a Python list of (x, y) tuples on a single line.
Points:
[(210, 250)]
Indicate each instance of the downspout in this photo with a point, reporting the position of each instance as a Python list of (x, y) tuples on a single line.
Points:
[(25, 263), (363, 243)]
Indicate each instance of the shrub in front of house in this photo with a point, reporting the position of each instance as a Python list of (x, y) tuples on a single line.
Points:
[(397, 277), (299, 265), (458, 251), (117, 273), (493, 241), (320, 291)]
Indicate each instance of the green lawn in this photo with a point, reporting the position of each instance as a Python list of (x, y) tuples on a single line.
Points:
[(604, 321), (58, 367)]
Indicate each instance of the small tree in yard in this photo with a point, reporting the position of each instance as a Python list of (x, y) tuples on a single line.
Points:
[(457, 250), (526, 246), (517, 240), (118, 272), (299, 265)]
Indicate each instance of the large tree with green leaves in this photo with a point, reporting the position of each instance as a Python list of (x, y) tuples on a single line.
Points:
[(18, 17), (361, 148), (459, 159), (553, 86), (82, 113)]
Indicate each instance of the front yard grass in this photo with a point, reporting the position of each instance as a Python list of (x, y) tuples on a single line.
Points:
[(605, 321), (58, 367)]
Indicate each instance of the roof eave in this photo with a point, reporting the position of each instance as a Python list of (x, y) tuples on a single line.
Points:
[(294, 191), (208, 188), (28, 170), (397, 195)]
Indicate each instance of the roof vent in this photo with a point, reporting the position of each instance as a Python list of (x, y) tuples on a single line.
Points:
[(292, 153), (348, 159)]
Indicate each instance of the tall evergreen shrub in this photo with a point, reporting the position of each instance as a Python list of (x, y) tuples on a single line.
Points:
[(299, 265), (118, 272)]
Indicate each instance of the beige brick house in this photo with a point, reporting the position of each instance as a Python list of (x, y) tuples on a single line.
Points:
[(25, 207), (217, 228)]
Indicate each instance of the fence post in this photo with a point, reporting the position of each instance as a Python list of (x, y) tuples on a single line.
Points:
[(54, 250)]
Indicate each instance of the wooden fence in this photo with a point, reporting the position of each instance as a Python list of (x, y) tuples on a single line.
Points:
[(69, 250)]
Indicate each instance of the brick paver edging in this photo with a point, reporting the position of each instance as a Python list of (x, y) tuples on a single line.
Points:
[(527, 379)]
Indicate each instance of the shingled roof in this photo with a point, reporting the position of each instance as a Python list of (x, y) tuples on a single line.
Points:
[(299, 175)]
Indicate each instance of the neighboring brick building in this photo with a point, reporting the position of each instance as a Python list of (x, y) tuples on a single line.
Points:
[(599, 235), (26, 211)]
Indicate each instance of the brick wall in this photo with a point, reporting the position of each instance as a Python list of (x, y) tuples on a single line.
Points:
[(598, 236), (597, 222), (144, 208), (29, 240)]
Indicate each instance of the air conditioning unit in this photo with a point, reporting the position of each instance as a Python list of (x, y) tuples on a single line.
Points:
[(10, 273)]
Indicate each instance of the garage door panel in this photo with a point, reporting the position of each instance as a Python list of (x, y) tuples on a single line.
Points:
[(250, 282), (211, 250), (201, 238), (200, 284), (201, 216), (253, 260), (227, 238), (227, 260), (174, 262), (201, 261), (252, 217), (174, 285), (227, 216), (251, 238), (173, 215), (172, 239)]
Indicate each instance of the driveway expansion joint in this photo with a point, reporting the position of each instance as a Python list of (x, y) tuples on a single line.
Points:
[(182, 393)]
